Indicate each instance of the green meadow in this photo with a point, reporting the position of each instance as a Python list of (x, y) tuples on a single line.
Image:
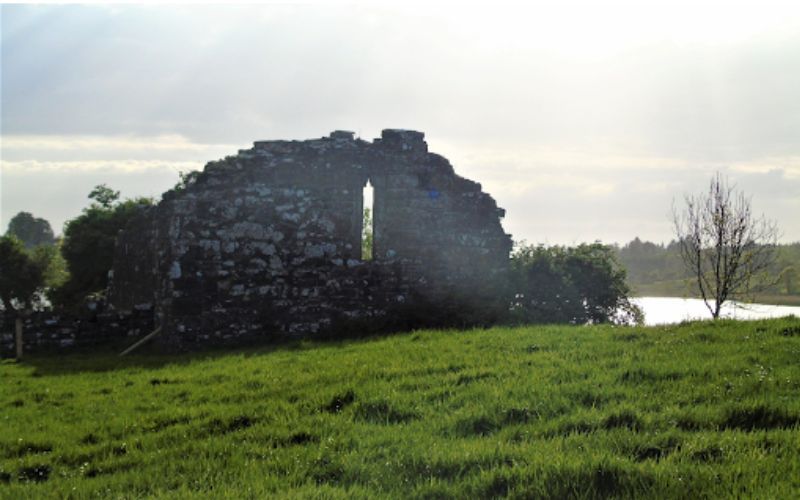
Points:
[(697, 410)]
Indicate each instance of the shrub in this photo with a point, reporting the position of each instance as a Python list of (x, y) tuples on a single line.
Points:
[(577, 285)]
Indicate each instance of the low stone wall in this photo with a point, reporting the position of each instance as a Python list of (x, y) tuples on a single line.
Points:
[(53, 331)]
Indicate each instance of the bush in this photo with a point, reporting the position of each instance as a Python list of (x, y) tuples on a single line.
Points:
[(22, 274), (577, 285)]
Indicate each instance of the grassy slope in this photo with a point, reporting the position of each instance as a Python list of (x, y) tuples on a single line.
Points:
[(697, 409)]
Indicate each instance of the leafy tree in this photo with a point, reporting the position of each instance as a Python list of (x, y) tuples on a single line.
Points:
[(647, 262), (366, 235), (22, 274), (790, 279), (727, 249), (53, 264), (578, 285), (88, 244), (186, 179), (104, 195), (787, 268), (32, 231)]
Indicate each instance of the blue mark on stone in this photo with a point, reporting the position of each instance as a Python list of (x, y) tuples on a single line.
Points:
[(433, 194)]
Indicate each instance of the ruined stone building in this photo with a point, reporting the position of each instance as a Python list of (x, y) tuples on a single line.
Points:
[(268, 243)]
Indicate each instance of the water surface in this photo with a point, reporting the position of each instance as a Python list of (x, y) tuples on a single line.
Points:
[(663, 310)]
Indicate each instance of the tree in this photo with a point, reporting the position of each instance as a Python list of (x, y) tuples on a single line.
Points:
[(366, 235), (186, 179), (578, 285), (726, 248), (22, 275), (53, 265), (89, 241), (32, 231), (104, 195), (790, 277)]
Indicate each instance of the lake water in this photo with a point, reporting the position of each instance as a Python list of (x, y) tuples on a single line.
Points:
[(663, 310)]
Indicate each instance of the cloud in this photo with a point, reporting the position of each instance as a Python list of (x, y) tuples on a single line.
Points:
[(559, 196), (582, 126), (21, 168), (712, 85), (91, 149), (788, 166), (93, 143), (58, 191), (567, 196)]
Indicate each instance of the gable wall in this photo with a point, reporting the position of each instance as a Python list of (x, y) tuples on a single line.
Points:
[(267, 243)]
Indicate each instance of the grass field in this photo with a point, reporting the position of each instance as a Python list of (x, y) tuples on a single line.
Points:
[(689, 411)]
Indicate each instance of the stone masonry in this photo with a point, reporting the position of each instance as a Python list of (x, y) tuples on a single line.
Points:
[(267, 244), (51, 331)]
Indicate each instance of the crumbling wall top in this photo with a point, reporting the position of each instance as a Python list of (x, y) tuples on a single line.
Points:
[(402, 140), (391, 140), (342, 134)]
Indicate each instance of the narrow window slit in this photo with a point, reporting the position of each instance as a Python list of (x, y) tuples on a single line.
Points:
[(367, 226)]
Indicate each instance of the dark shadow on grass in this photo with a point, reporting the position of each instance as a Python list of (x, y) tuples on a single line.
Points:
[(339, 402), (572, 427), (161, 423), (34, 473), (382, 412), (343, 331), (710, 454), (656, 451), (22, 448), (691, 424), (564, 481), (625, 419), (476, 426), (469, 379), (645, 375), (106, 470), (791, 331), (301, 438), (106, 358), (220, 427), (326, 470), (760, 418)]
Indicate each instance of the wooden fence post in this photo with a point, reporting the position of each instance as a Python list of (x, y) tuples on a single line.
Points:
[(18, 324)]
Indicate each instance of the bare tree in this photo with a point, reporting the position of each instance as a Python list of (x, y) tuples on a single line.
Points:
[(725, 247)]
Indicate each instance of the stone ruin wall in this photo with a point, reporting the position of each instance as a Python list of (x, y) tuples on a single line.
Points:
[(51, 331), (268, 243)]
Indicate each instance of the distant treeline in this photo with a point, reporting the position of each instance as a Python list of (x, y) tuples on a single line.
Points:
[(657, 269)]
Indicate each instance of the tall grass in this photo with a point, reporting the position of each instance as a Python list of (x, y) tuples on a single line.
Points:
[(696, 410)]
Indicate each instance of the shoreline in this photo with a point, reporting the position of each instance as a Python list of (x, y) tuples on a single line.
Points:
[(763, 299)]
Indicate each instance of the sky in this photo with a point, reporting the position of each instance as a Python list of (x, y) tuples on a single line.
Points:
[(585, 122)]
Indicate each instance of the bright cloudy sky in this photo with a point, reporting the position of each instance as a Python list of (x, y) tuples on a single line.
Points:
[(583, 120)]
